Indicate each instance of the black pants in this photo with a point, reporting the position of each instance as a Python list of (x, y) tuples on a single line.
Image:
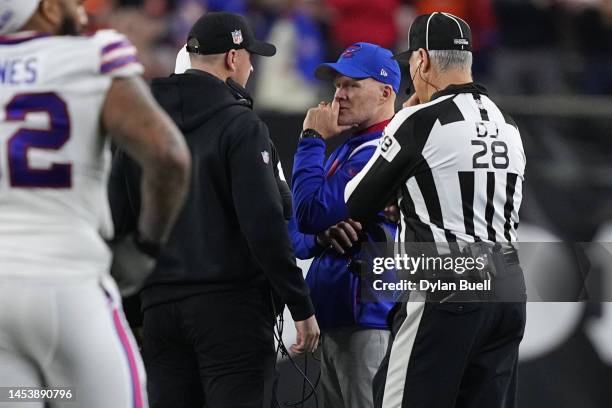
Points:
[(214, 350), (452, 355)]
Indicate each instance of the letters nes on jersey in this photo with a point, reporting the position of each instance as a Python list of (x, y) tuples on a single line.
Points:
[(54, 155)]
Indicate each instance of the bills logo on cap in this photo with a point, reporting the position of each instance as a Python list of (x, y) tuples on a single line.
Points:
[(265, 156), (237, 37), (350, 51)]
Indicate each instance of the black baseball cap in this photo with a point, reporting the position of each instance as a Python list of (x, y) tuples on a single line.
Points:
[(437, 31), (216, 33)]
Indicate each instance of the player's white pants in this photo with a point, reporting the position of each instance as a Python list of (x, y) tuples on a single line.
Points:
[(69, 334)]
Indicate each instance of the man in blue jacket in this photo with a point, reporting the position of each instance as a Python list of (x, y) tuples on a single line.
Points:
[(354, 330)]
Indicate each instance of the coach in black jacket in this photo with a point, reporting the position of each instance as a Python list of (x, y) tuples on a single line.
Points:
[(208, 321)]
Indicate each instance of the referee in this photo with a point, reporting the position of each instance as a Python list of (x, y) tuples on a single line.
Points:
[(456, 164)]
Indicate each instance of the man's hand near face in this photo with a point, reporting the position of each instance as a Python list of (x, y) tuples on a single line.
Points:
[(324, 119)]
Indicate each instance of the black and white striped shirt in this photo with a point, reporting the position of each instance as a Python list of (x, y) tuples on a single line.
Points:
[(456, 165)]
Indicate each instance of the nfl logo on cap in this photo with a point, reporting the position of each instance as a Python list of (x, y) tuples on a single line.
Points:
[(237, 37)]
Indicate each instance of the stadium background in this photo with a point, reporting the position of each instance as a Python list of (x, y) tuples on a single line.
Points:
[(546, 62)]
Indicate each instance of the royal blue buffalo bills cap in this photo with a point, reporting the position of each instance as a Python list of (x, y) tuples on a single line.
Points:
[(363, 60)]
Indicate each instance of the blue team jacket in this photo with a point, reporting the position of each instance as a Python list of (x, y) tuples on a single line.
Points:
[(318, 203)]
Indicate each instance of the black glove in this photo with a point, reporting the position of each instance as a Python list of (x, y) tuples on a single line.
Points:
[(133, 262)]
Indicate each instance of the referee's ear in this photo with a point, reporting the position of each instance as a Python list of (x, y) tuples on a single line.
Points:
[(425, 62)]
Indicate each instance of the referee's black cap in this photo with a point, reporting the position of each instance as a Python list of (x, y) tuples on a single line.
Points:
[(437, 31), (217, 33)]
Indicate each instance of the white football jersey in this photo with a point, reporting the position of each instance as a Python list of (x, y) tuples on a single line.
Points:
[(54, 159)]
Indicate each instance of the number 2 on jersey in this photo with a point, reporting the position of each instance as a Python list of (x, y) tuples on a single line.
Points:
[(58, 175), (499, 149)]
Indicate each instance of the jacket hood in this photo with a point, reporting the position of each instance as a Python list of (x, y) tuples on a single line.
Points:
[(193, 97)]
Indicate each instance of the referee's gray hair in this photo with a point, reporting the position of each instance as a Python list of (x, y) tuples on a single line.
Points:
[(444, 60)]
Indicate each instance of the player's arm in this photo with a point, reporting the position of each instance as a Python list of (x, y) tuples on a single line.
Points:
[(143, 130), (395, 159)]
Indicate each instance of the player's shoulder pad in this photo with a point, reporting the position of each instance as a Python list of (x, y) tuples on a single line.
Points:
[(118, 57)]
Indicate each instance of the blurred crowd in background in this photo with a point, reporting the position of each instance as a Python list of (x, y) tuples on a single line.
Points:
[(547, 62), (521, 46)]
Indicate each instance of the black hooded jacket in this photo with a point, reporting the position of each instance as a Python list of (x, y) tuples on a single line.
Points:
[(231, 233)]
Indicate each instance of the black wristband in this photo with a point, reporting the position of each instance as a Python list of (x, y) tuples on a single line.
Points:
[(310, 133), (153, 249)]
